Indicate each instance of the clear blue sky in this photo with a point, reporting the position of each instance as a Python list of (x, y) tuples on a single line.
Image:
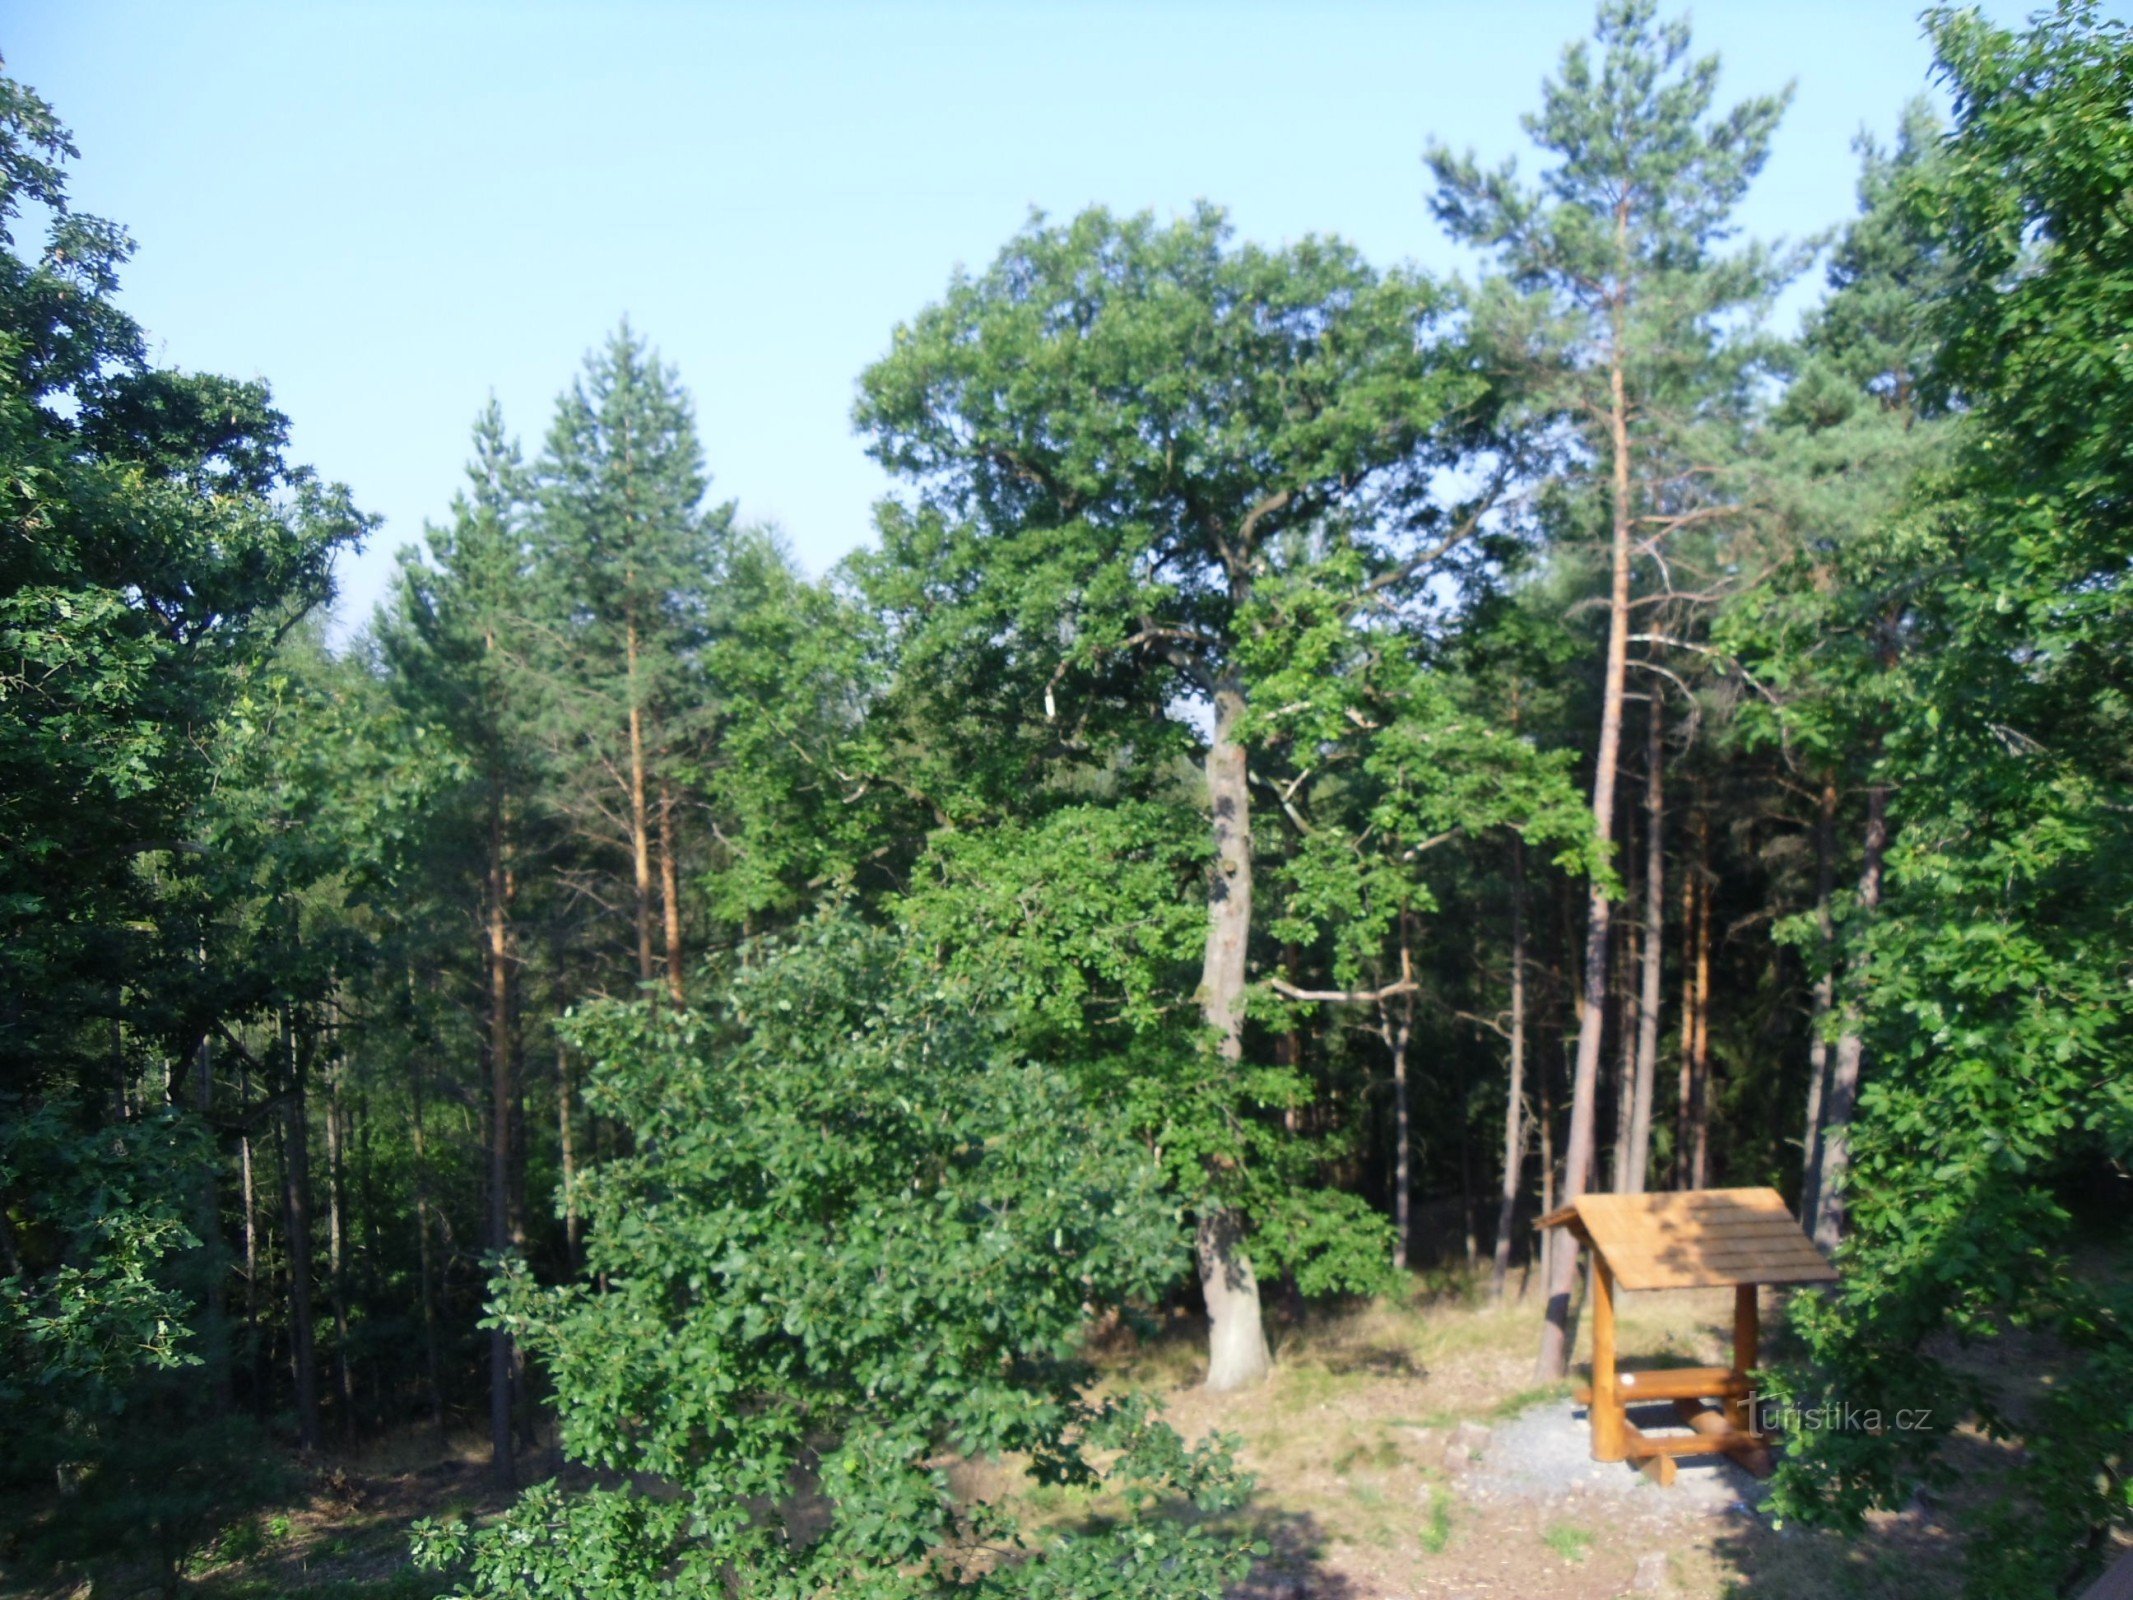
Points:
[(389, 211)]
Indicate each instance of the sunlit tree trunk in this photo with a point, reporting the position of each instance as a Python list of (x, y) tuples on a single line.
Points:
[(497, 953), (1514, 1133), (567, 1148), (1851, 1047), (1397, 1030), (1824, 996), (1237, 1349), (670, 892), (1640, 1118), (1554, 1357), (1700, 1018), (640, 813)]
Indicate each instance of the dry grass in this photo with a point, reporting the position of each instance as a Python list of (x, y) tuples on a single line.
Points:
[(1346, 1443)]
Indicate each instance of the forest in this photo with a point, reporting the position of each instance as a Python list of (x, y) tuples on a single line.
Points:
[(1320, 765)]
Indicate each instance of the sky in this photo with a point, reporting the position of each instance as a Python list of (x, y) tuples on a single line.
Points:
[(390, 212)]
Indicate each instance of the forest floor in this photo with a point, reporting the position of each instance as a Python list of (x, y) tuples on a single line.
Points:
[(1359, 1446)]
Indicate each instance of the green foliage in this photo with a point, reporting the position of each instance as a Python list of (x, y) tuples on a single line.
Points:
[(1111, 433), (1997, 1008), (860, 1232), (1086, 920), (106, 1211)]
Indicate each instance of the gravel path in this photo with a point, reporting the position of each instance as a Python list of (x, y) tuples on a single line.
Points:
[(1545, 1454)]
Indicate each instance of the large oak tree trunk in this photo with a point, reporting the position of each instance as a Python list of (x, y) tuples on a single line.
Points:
[(1554, 1357), (1397, 1033), (1638, 1176), (1851, 1048), (1237, 1354)]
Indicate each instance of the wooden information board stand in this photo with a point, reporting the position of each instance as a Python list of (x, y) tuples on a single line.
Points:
[(1700, 1239)]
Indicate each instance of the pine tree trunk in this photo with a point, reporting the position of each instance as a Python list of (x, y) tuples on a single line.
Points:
[(567, 1145), (1514, 1133), (1556, 1335), (337, 1249), (296, 1210), (248, 1182), (1640, 1118), (1626, 1040), (670, 893), (498, 960), (214, 1252), (1851, 1048), (1824, 996), (1700, 1046), (426, 1263), (1237, 1354), (1685, 1086), (640, 817)]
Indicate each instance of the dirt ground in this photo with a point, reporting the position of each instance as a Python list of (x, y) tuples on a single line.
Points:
[(1374, 1480), (1360, 1447)]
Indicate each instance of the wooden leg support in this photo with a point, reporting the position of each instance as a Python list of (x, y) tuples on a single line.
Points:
[(1746, 1336), (1722, 1437), (1610, 1425)]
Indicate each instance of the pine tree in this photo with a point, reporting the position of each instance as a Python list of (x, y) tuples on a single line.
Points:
[(1616, 298), (628, 552)]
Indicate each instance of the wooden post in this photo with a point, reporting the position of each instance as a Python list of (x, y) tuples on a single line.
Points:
[(1745, 1333), (1609, 1438)]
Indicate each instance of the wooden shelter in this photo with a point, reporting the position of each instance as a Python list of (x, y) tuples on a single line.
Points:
[(1700, 1239)]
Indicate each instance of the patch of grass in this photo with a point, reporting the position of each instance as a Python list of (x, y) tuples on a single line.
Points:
[(1381, 1456), (1567, 1540), (1436, 1529), (1512, 1405)]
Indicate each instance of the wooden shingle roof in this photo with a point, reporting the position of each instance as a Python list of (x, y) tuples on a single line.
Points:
[(1701, 1239)]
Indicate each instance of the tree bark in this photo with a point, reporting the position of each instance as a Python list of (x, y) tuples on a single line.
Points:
[(1851, 1048), (1396, 1033), (1237, 1354), (426, 1264), (1824, 996), (640, 815), (1514, 1133), (670, 893), (498, 959), (337, 1248), (1685, 1086), (567, 1145), (1640, 1119), (214, 1251), (1556, 1333), (248, 1182), (1629, 962), (1700, 1037), (296, 1209)]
